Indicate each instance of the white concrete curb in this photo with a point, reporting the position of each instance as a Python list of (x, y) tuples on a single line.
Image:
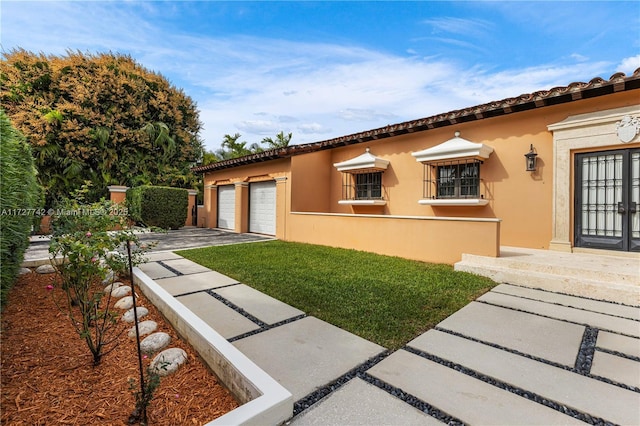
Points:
[(264, 401)]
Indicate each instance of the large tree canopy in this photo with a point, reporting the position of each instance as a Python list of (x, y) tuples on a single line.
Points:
[(101, 118)]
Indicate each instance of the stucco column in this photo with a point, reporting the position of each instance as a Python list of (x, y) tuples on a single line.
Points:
[(242, 207), (281, 208), (210, 206), (190, 206), (561, 237), (117, 193)]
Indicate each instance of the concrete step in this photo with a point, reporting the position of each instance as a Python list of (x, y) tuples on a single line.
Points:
[(618, 293), (615, 279), (594, 267)]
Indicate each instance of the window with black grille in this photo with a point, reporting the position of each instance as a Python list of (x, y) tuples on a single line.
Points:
[(455, 179), (368, 185), (362, 186)]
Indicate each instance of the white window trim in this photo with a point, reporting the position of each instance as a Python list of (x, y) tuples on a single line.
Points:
[(363, 202), (465, 202)]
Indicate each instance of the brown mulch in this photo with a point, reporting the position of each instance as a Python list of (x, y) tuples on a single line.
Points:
[(48, 375)]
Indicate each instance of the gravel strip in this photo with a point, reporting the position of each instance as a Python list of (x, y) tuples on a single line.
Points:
[(266, 327), (263, 325), (238, 309), (203, 290), (359, 371), (587, 348), (164, 265), (620, 354), (412, 400)]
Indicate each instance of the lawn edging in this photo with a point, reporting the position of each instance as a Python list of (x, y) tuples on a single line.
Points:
[(264, 401)]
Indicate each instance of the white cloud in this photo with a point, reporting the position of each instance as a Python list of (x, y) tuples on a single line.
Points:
[(629, 65), (361, 114), (259, 86), (313, 129), (287, 119), (578, 57), (259, 127), (460, 26)]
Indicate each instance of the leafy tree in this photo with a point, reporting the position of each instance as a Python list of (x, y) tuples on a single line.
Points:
[(100, 117), (233, 148), (281, 141), (209, 157)]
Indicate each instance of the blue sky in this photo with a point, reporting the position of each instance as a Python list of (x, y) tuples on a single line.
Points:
[(327, 69)]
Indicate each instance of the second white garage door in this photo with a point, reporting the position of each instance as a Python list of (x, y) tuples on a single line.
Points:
[(226, 206), (262, 207)]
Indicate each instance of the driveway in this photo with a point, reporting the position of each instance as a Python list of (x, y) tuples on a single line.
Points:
[(178, 239), (186, 238)]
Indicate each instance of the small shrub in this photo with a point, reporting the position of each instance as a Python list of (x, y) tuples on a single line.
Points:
[(158, 206), (89, 249), (144, 396), (20, 201)]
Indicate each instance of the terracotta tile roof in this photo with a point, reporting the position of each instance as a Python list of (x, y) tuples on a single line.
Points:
[(598, 86)]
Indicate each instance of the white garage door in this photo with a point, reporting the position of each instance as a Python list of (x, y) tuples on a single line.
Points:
[(262, 207), (226, 206)]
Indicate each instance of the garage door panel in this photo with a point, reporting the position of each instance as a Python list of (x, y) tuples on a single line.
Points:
[(226, 206), (262, 207)]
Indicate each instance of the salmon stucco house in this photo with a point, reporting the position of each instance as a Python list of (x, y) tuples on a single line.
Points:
[(557, 169)]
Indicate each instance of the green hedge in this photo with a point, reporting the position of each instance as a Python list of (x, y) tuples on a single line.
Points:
[(20, 201), (159, 206)]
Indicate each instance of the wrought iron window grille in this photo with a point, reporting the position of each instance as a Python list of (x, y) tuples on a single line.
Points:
[(365, 185), (458, 179)]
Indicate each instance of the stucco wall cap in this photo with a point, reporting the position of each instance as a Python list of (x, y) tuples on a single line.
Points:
[(364, 161), (456, 147)]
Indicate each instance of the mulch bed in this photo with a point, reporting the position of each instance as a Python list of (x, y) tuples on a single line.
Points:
[(48, 375)]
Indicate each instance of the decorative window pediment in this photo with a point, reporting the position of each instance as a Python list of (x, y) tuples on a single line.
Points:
[(455, 148), (366, 161), (362, 180), (452, 173)]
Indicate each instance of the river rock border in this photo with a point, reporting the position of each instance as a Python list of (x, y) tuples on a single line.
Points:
[(263, 399), (166, 362)]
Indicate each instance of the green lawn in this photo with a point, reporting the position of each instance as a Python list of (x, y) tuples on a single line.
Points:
[(387, 300)]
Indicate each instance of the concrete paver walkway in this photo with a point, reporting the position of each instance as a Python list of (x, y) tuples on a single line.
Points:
[(514, 356)]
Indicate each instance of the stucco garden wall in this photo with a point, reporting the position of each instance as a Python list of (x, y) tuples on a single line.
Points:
[(436, 240)]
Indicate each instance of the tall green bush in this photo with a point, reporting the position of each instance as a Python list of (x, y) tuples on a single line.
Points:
[(133, 202), (158, 206), (20, 201)]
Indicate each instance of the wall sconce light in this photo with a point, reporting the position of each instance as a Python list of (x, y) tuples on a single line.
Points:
[(532, 159)]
